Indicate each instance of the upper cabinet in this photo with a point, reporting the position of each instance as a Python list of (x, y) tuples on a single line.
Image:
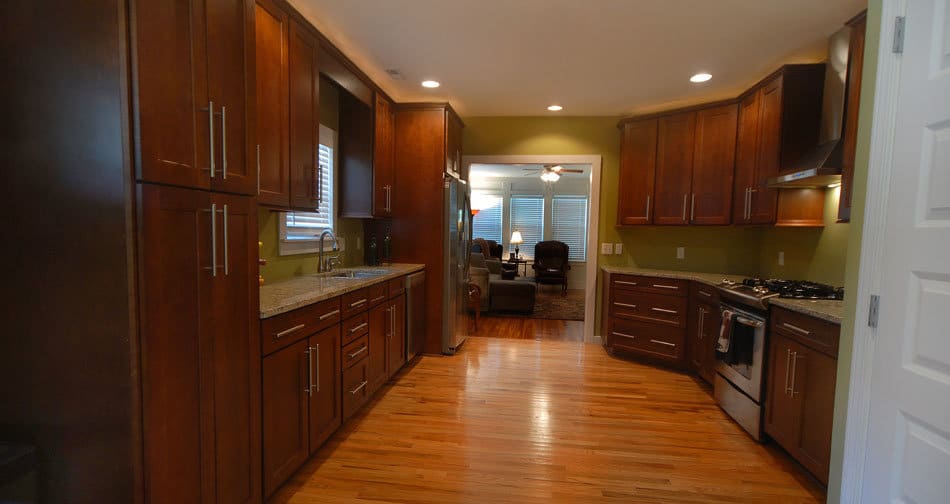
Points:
[(637, 172), (852, 102), (714, 154), (383, 158), (273, 104), (674, 168), (304, 114), (192, 64)]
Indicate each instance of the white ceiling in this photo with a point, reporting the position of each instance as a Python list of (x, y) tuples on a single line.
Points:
[(594, 57)]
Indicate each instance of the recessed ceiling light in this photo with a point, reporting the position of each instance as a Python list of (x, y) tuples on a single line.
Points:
[(430, 84), (555, 108), (700, 77)]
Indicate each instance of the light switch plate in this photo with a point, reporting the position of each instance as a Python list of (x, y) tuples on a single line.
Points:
[(618, 248), (681, 252), (606, 248), (781, 258)]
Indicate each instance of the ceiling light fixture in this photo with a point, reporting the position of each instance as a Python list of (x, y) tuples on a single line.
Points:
[(700, 77), (555, 108), (550, 176), (430, 84)]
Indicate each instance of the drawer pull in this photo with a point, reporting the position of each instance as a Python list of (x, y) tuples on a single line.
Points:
[(357, 328), (625, 305), (357, 389), (622, 335), (658, 342), (795, 328), (664, 310), (329, 314), (661, 286), (380, 298), (624, 282), (292, 330), (354, 354), (705, 293), (354, 304)]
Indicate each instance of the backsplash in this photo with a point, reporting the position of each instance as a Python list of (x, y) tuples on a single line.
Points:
[(349, 231)]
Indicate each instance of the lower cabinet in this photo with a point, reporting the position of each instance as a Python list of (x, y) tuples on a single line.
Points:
[(647, 316), (396, 343), (380, 321), (703, 330)]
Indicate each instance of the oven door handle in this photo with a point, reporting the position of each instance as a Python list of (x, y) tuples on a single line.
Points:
[(749, 322)]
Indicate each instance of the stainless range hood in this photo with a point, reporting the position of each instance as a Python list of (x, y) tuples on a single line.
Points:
[(821, 166)]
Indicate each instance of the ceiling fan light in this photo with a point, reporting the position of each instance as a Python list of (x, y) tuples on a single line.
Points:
[(550, 176)]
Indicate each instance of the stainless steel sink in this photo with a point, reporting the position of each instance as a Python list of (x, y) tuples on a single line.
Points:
[(359, 274)]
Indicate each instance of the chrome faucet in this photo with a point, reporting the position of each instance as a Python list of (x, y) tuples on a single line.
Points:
[(326, 264)]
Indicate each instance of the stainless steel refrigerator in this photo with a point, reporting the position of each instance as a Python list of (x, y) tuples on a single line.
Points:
[(457, 245)]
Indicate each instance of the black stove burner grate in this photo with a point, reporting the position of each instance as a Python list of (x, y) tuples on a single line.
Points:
[(797, 289)]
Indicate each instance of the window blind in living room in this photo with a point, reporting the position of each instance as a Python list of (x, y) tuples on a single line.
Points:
[(487, 222), (527, 216), (569, 224)]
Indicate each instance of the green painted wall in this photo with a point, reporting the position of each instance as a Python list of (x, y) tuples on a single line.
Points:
[(859, 194)]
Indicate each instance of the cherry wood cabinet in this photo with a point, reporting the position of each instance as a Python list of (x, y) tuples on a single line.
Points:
[(326, 414), (200, 362), (647, 317), (637, 172), (192, 64), (383, 180), (674, 168), (304, 114), (703, 329), (801, 387), (380, 321), (714, 152), (285, 412), (397, 341), (273, 104), (852, 103)]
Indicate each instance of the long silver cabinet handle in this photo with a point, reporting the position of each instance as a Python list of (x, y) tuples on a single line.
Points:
[(357, 328), (214, 240), (357, 389), (392, 323), (258, 168), (704, 293), (625, 305), (227, 269), (389, 199), (354, 354), (663, 310), (622, 335), (795, 358), (797, 329), (211, 135), (648, 208), (702, 321), (661, 286), (309, 389), (329, 314), (224, 142), (692, 208), (317, 349), (685, 197), (354, 304), (788, 365), (292, 330), (624, 282), (378, 299), (658, 342)]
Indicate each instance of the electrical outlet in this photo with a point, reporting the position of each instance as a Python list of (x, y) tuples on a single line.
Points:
[(681, 252), (618, 248), (781, 258), (606, 248)]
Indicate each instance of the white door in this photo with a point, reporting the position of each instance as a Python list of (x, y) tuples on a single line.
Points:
[(908, 443)]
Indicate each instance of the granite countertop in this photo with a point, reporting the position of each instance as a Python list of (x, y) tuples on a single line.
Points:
[(287, 295), (825, 309)]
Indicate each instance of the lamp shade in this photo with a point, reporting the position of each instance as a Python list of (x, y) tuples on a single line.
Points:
[(516, 238)]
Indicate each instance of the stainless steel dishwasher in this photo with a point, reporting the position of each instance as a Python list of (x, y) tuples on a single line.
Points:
[(415, 314)]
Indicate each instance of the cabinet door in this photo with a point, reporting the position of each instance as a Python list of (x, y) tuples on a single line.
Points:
[(747, 141), (326, 411), (814, 381), (396, 345), (170, 89), (853, 102), (236, 357), (674, 168), (379, 328), (703, 331), (304, 78), (637, 172), (714, 155), (175, 293), (783, 410), (383, 158), (768, 156), (286, 443), (273, 104), (230, 42)]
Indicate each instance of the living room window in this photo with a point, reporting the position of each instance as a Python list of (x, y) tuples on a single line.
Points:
[(487, 223), (527, 216), (300, 231), (569, 224)]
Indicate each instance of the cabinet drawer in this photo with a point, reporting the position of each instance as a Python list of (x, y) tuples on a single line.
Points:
[(286, 328), (640, 283), (705, 293), (397, 286), (354, 327), (377, 293), (649, 339), (649, 307), (815, 333), (355, 351), (354, 388), (354, 302)]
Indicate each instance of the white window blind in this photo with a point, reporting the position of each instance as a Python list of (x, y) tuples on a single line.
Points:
[(569, 224), (487, 222), (527, 216)]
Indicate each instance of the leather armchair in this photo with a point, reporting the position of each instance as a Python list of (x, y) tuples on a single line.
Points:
[(488, 248), (551, 263)]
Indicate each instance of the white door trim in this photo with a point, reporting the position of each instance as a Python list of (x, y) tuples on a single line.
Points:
[(880, 169), (593, 218)]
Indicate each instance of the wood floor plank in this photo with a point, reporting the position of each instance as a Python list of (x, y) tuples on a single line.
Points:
[(526, 421)]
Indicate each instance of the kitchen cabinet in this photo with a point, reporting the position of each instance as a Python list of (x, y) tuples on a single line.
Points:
[(326, 414), (397, 342), (714, 151), (199, 350), (637, 172), (647, 317), (380, 321), (674, 168), (356, 149), (304, 114), (383, 180), (703, 329), (273, 104), (192, 62), (852, 103), (801, 386)]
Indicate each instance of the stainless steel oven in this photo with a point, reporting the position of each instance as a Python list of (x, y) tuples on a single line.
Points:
[(740, 370)]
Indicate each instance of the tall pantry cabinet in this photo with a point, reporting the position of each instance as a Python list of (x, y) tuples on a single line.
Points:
[(194, 150)]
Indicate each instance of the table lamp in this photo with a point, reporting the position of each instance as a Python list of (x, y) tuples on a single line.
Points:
[(516, 240)]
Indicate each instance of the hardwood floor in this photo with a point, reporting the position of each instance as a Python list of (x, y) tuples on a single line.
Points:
[(527, 328), (516, 420)]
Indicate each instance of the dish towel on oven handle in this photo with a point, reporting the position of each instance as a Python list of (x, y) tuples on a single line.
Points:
[(725, 332)]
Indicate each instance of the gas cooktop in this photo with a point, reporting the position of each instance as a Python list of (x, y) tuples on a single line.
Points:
[(755, 291)]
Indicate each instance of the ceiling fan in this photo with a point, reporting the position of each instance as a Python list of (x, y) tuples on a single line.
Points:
[(550, 172)]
